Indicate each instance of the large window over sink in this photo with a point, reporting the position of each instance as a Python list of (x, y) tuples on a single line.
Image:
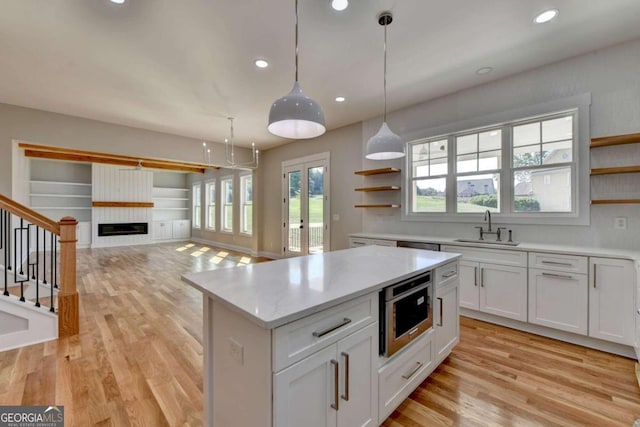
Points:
[(519, 168)]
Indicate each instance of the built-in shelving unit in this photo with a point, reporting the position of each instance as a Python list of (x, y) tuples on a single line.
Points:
[(378, 188), (170, 196), (611, 141)]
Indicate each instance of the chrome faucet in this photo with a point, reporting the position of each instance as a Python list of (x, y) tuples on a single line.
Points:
[(487, 215)]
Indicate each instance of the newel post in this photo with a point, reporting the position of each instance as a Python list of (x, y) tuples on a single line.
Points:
[(68, 301)]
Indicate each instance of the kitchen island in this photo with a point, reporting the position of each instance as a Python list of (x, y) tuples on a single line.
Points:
[(297, 339)]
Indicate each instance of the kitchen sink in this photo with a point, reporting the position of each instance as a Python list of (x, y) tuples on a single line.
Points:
[(488, 242)]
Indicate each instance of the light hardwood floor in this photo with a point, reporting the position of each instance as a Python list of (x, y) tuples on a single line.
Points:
[(138, 359)]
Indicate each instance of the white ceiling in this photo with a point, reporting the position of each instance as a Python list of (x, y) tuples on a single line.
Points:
[(183, 66)]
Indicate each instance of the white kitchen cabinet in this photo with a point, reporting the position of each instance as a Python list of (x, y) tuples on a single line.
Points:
[(83, 234), (446, 308), (162, 230), (181, 229), (356, 242), (498, 287), (336, 386), (612, 300), (559, 291)]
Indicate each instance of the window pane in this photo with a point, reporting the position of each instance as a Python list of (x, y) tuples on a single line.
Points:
[(526, 134), (490, 160), (429, 158), (439, 166), (316, 209), (557, 152), (246, 203), (467, 163), (543, 190), (490, 140), (195, 205), (429, 195), (227, 204), (557, 129), (478, 193), (211, 205), (526, 156), (467, 144)]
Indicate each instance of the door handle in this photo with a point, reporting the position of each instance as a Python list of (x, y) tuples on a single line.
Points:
[(482, 277), (336, 380), (441, 314), (345, 396), (324, 332), (475, 276), (412, 373)]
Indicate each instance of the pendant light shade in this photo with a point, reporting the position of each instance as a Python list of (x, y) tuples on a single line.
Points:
[(385, 144), (295, 115)]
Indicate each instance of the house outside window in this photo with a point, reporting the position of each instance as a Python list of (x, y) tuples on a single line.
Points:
[(246, 204), (196, 205), (211, 205), (226, 201)]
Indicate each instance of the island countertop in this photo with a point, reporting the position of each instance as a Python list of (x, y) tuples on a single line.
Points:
[(274, 293)]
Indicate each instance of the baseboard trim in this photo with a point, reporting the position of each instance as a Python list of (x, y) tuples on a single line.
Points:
[(240, 249), (609, 347), (271, 255)]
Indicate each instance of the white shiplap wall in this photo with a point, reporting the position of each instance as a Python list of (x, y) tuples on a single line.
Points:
[(121, 184)]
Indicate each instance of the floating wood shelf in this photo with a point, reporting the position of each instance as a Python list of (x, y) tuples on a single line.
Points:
[(378, 206), (615, 170), (122, 204), (383, 188), (608, 141), (377, 171), (615, 201)]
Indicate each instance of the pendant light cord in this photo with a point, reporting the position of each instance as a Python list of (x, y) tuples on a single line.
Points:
[(385, 72), (296, 40)]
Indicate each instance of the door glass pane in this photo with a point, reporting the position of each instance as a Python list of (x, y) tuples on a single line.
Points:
[(294, 211), (316, 209)]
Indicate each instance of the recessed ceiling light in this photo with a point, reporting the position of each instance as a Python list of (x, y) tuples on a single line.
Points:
[(261, 63), (117, 1), (545, 16), (340, 98), (339, 4), (484, 70)]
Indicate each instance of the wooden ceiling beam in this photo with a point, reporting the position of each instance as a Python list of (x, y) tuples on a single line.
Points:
[(59, 153)]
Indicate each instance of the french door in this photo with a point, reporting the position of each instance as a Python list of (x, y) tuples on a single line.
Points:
[(306, 205)]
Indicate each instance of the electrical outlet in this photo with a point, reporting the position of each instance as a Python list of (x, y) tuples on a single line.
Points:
[(236, 351), (620, 223)]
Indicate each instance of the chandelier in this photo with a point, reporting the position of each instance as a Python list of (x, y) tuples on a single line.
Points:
[(230, 154)]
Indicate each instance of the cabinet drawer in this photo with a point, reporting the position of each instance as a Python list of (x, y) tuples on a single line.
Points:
[(398, 378), (296, 340), (558, 262), (446, 274), (391, 243), (356, 242), (495, 256)]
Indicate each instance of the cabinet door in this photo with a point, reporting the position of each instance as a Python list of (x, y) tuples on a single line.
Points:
[(469, 290), (446, 320), (503, 291), (612, 300), (358, 355), (305, 392), (181, 229), (162, 230), (83, 233), (558, 300)]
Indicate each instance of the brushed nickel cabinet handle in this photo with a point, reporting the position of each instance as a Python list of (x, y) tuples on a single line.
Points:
[(594, 275), (475, 276), (441, 314), (449, 274), (412, 373), (482, 277), (324, 332), (336, 380), (564, 264), (345, 396), (557, 276)]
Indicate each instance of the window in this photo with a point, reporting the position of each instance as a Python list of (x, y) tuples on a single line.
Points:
[(226, 200), (195, 205), (464, 172), (211, 205), (246, 204)]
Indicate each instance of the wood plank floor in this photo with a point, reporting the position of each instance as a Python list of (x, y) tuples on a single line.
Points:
[(138, 359)]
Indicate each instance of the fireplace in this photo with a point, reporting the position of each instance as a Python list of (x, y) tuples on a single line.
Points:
[(123, 229)]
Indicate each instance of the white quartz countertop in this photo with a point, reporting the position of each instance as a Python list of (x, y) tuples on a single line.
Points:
[(522, 246), (274, 293)]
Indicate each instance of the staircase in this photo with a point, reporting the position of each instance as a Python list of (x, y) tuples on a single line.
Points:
[(38, 296)]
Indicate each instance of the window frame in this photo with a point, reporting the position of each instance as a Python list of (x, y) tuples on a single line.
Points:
[(224, 204), (579, 105), (243, 203), (196, 206), (208, 210)]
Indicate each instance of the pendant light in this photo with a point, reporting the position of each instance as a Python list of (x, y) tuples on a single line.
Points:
[(295, 115), (385, 144)]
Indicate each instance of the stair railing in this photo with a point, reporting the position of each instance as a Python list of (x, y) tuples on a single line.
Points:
[(37, 252)]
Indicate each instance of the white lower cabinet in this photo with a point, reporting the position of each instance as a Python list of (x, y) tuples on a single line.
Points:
[(612, 300), (336, 386), (446, 320), (171, 229), (83, 234)]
